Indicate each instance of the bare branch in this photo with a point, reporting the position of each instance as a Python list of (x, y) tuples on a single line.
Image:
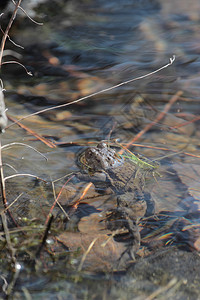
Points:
[(3, 41)]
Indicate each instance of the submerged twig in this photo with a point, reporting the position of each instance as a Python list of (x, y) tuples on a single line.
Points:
[(12, 250), (186, 122), (44, 237), (56, 201), (38, 136), (159, 117)]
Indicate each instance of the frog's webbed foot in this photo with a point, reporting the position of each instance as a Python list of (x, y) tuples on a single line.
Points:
[(132, 243), (119, 219), (127, 256)]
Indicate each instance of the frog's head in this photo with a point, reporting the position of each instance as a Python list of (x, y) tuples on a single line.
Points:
[(101, 158)]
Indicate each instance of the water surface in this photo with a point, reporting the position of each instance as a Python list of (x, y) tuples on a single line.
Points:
[(84, 47)]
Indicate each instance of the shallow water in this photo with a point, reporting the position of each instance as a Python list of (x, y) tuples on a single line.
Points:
[(84, 47)]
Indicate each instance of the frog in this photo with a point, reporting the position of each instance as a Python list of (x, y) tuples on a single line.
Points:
[(127, 179)]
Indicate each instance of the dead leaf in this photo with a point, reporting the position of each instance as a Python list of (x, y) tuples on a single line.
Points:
[(103, 252), (189, 174), (94, 223), (72, 193)]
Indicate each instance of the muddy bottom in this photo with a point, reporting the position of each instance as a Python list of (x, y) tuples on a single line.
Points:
[(167, 274)]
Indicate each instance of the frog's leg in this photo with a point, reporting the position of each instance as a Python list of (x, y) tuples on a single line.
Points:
[(134, 205)]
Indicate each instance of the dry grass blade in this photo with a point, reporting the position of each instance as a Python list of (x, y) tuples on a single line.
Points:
[(17, 175), (163, 289), (86, 253)]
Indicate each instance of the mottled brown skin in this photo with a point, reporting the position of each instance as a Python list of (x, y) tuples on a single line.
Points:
[(127, 180)]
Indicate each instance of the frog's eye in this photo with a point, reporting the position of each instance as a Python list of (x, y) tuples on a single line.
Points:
[(90, 153), (102, 145)]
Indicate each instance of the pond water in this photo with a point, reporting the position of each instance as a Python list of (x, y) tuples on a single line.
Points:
[(82, 48)]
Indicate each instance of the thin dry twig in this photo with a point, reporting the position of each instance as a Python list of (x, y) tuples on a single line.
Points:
[(18, 63), (97, 93), (3, 41), (4, 38), (57, 202), (25, 174), (15, 44)]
